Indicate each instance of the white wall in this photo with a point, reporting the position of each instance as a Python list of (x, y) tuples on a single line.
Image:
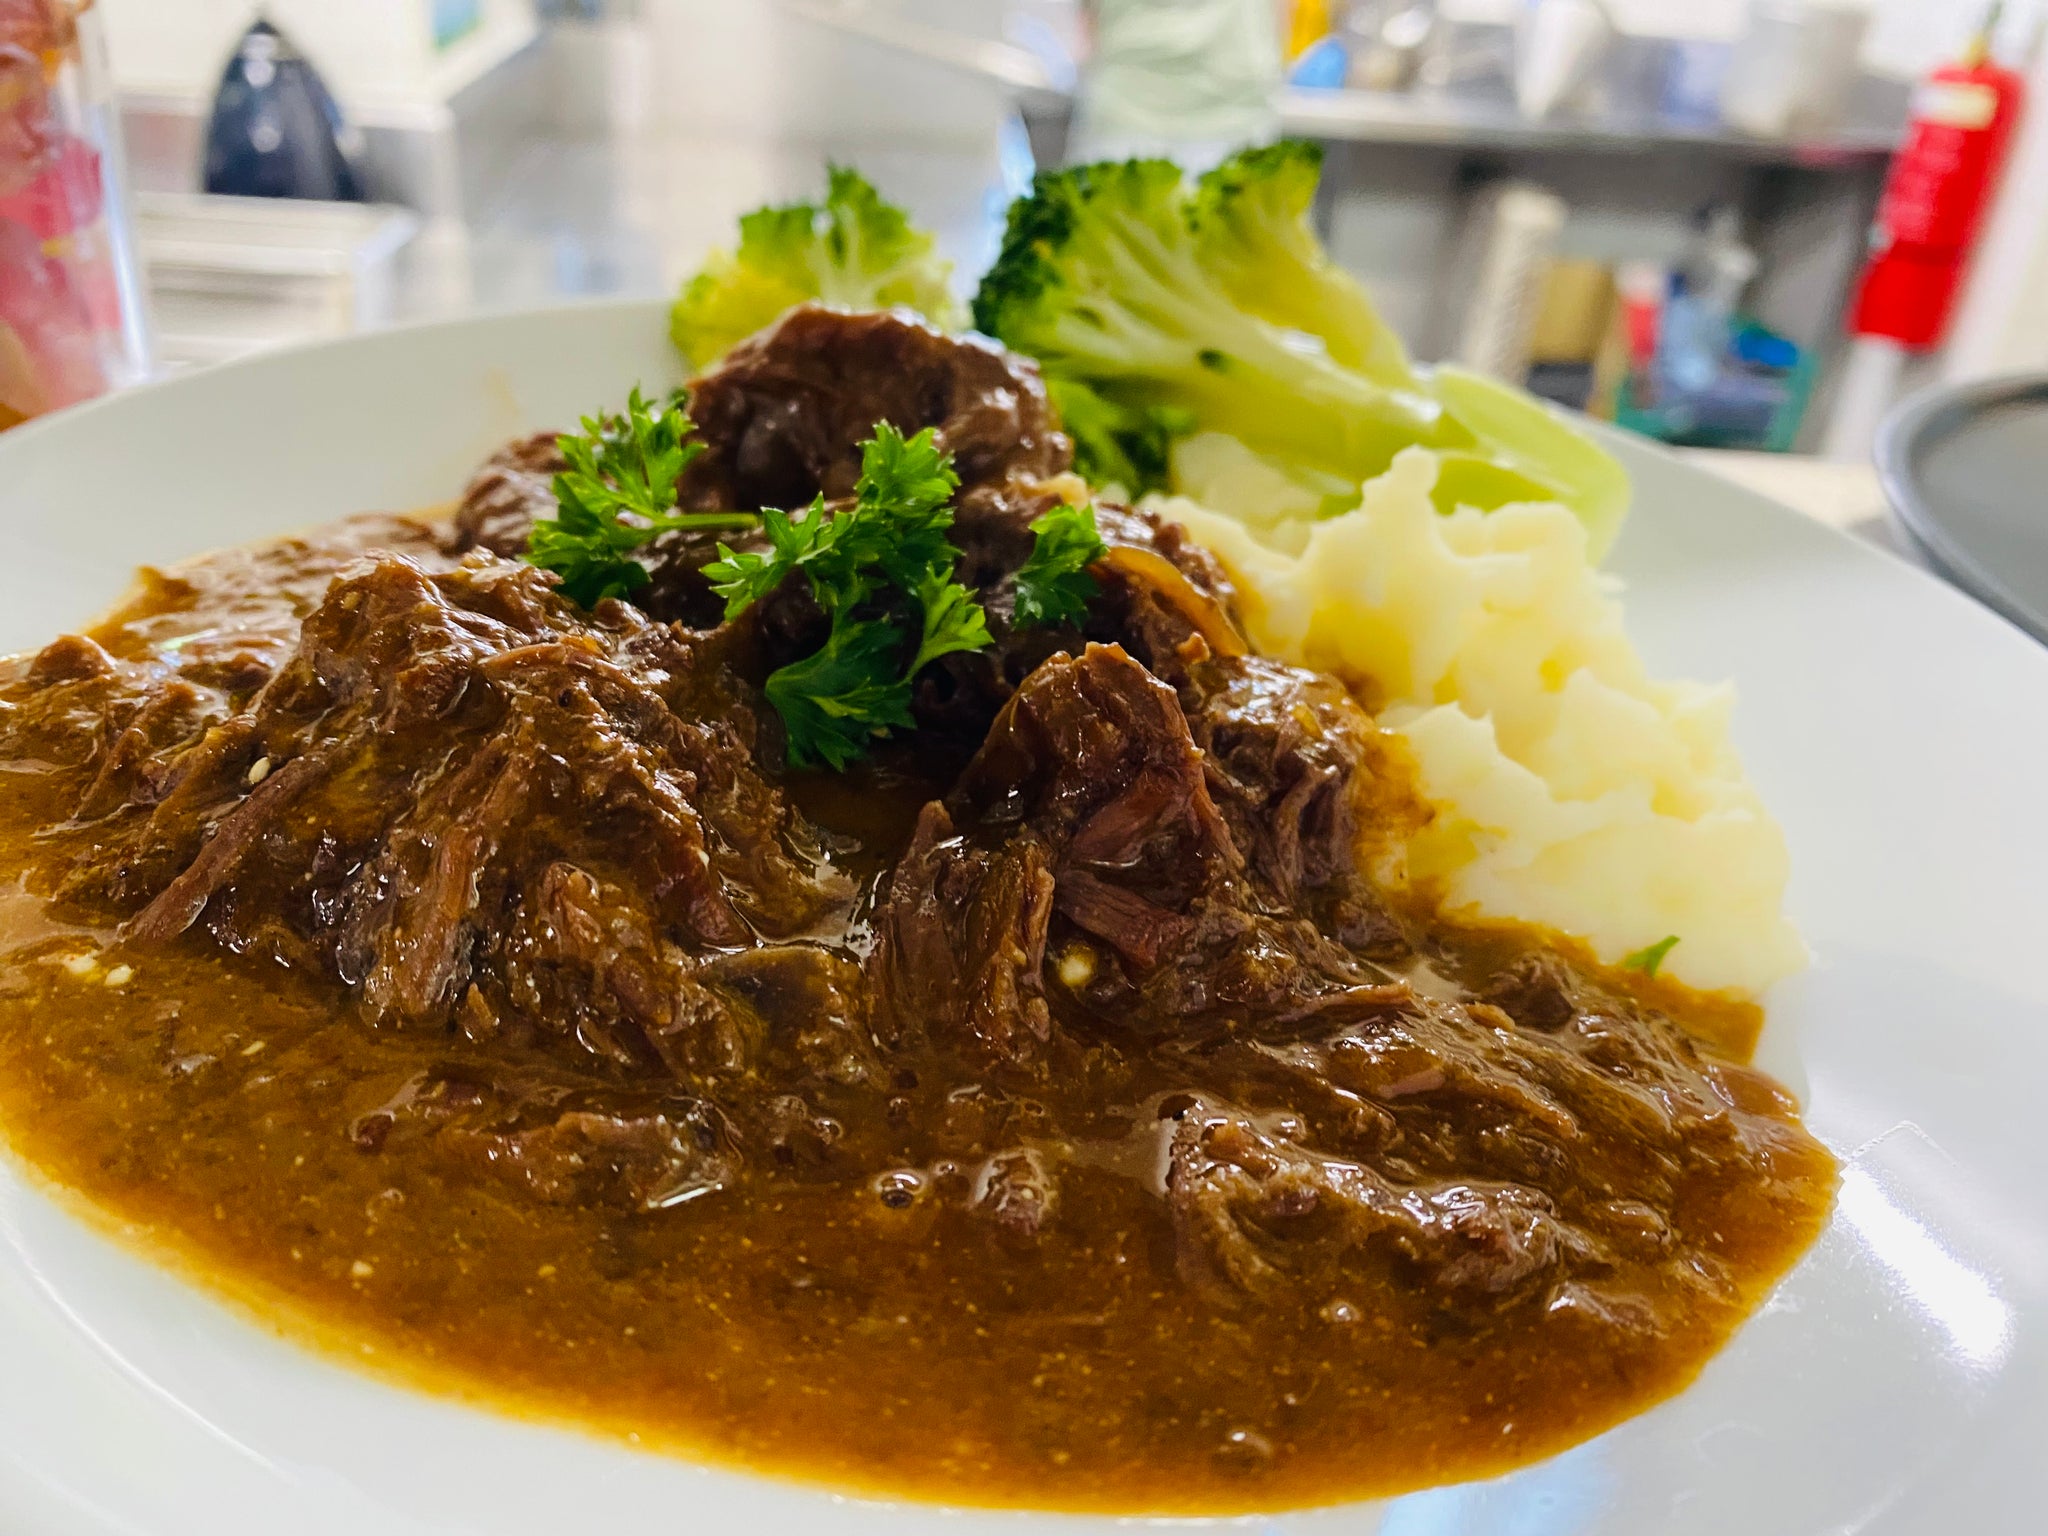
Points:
[(377, 55), (1909, 37), (2002, 326), (750, 66)]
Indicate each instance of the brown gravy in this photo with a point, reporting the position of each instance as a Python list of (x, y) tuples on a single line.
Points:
[(863, 1328)]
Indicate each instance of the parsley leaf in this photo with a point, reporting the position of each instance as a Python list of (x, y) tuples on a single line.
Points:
[(1054, 586), (896, 529), (620, 467), (745, 577), (874, 567), (1647, 960), (834, 702), (953, 620), (871, 567), (907, 486)]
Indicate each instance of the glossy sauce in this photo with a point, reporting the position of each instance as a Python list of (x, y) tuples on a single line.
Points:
[(810, 1326)]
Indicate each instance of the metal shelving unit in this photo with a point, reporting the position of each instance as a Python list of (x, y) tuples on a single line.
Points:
[(1473, 122)]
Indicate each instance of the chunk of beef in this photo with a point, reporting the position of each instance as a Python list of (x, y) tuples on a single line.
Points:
[(1536, 991), (543, 1145), (960, 940), (782, 418), (1165, 599), (1098, 758), (1594, 1108), (784, 414), (1268, 1215), (1091, 779), (1493, 1157), (460, 779), (1094, 757), (125, 702), (583, 959), (1286, 750), (75, 707), (1287, 753), (501, 501), (805, 1006), (1162, 599)]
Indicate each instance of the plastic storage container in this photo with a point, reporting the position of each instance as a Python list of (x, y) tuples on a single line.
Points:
[(71, 313), (1795, 66)]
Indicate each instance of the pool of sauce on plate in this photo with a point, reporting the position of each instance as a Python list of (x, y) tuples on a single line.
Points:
[(203, 1105)]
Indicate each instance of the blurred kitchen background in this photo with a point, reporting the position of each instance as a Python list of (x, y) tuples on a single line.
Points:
[(1658, 210)]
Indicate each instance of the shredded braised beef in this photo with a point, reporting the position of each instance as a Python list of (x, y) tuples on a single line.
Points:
[(567, 839)]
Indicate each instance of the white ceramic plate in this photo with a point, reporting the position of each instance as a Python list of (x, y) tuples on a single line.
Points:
[(1897, 1383)]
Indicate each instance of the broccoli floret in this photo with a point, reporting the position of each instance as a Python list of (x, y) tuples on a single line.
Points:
[(1158, 310), (1100, 280), (1251, 221), (853, 250), (1117, 445)]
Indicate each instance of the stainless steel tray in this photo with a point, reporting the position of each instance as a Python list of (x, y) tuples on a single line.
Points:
[(1966, 471)]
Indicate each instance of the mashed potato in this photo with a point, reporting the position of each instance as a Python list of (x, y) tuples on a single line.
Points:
[(1570, 788)]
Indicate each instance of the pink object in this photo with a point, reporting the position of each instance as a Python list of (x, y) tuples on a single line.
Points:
[(29, 133), (66, 196), (70, 310), (43, 301)]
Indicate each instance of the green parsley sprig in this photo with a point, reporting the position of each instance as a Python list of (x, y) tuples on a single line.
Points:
[(837, 700), (1053, 586), (893, 535), (870, 568), (618, 492), (883, 570)]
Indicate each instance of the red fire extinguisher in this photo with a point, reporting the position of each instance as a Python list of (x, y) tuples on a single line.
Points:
[(1937, 195)]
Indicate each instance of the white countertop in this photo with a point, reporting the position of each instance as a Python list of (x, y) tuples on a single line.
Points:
[(1845, 496)]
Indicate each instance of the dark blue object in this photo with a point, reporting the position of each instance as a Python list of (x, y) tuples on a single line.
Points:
[(276, 129), (1754, 344)]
